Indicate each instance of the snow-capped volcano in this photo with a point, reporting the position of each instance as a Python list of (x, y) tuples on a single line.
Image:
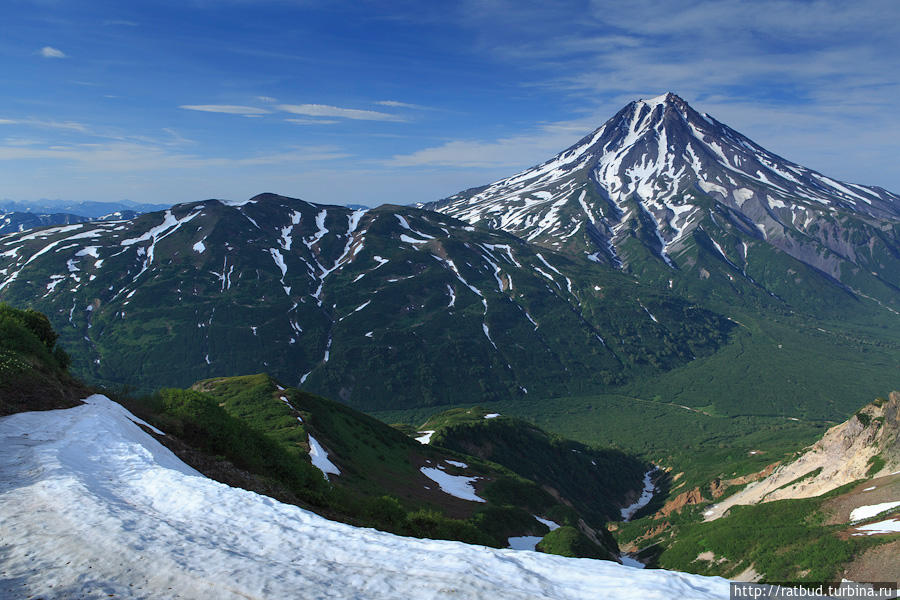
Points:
[(660, 166)]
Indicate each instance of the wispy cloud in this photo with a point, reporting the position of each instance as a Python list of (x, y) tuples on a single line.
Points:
[(228, 109), (510, 152), (176, 139), (312, 121), (321, 114), (51, 52), (135, 157), (324, 110), (396, 104), (768, 50), (119, 23), (61, 125)]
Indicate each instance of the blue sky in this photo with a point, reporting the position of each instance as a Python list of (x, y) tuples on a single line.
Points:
[(374, 102)]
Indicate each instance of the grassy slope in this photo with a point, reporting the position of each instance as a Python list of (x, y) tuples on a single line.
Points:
[(785, 540), (793, 366), (380, 483), (595, 482), (203, 421), (33, 370)]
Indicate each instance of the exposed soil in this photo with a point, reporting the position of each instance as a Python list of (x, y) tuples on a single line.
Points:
[(719, 486), (881, 563), (748, 574), (887, 489), (844, 454), (688, 498), (40, 392)]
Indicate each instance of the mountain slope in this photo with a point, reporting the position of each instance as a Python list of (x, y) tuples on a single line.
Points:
[(20, 221), (826, 512), (595, 482), (368, 460), (108, 493), (662, 183), (387, 308), (866, 445), (253, 433)]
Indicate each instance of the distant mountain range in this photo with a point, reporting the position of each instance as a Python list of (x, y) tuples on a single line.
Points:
[(22, 221), (21, 216), (82, 208)]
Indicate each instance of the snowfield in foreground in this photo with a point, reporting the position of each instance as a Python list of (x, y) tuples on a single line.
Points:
[(91, 506)]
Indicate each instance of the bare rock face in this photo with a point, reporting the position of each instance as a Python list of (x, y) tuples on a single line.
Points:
[(688, 498), (718, 486), (847, 452)]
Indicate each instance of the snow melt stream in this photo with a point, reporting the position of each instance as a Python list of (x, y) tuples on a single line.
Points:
[(646, 495)]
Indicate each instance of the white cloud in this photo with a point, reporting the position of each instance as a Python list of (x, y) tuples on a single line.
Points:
[(176, 138), (133, 157), (312, 121), (228, 109), (64, 125), (396, 104), (316, 111), (513, 152), (324, 110), (51, 52), (21, 142)]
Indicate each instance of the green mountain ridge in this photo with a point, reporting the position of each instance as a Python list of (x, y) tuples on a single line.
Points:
[(591, 480), (392, 307)]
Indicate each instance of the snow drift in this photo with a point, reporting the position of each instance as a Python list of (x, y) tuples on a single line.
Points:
[(91, 506)]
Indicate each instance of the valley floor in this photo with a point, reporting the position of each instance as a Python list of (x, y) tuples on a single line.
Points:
[(92, 506)]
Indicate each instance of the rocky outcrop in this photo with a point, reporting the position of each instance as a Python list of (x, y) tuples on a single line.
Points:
[(689, 498), (865, 445), (718, 486)]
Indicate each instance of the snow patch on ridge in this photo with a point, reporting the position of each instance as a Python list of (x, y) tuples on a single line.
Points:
[(458, 486), (319, 458), (871, 510)]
